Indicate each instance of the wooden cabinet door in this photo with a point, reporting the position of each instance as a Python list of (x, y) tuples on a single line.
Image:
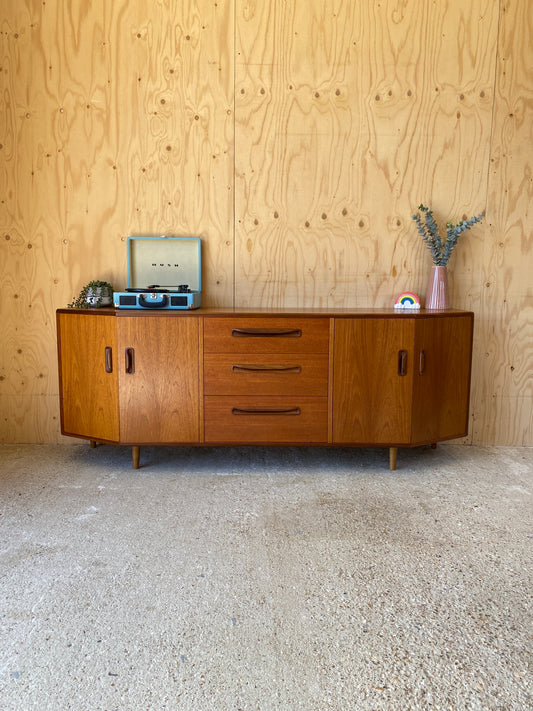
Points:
[(372, 380), (88, 380), (443, 354), (159, 379)]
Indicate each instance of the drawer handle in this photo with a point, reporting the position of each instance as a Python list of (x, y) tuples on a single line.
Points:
[(266, 332), (266, 368), (108, 359), (265, 411), (402, 362)]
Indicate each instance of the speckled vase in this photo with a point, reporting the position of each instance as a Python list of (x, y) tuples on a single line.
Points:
[(437, 297)]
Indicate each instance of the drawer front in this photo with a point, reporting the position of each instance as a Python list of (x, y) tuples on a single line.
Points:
[(284, 375), (266, 335), (267, 420)]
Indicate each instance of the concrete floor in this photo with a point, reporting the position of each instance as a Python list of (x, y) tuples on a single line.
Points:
[(228, 579)]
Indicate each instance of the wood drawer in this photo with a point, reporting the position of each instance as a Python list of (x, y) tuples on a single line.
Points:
[(266, 335), (267, 420), (286, 374)]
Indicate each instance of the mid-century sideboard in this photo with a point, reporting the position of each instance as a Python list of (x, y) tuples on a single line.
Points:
[(374, 377)]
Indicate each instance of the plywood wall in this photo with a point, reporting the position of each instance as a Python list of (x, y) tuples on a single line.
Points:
[(117, 119), (295, 138), (503, 373), (349, 114)]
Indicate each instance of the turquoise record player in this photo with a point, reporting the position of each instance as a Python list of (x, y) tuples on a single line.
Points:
[(163, 273)]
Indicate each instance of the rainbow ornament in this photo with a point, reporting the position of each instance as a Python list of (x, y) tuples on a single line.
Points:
[(407, 300)]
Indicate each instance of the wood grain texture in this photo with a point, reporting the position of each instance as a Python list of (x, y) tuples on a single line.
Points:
[(154, 408), (288, 374), (322, 123), (89, 376), (371, 397), (266, 420), (116, 118), (503, 379), (349, 114), (442, 378), (244, 334), (30, 419)]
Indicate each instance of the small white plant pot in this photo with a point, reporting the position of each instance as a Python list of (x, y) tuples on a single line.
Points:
[(99, 297)]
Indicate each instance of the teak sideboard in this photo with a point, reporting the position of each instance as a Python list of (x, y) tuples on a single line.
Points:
[(378, 377)]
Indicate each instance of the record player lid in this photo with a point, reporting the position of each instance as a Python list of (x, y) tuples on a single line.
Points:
[(164, 261), (158, 289)]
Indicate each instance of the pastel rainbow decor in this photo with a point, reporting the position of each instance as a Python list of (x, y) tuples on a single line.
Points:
[(407, 300)]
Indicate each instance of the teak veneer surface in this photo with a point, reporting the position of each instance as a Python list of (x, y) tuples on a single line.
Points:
[(234, 376), (372, 403), (266, 420), (446, 379), (237, 311), (159, 401), (266, 374), (89, 394)]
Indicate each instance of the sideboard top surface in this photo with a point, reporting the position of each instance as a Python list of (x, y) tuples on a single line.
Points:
[(299, 312)]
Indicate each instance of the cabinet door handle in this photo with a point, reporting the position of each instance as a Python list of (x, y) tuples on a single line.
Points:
[(266, 368), (130, 361), (266, 332), (422, 363), (108, 359), (265, 411), (402, 362)]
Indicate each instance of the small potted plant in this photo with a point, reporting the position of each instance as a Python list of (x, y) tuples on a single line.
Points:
[(93, 295), (441, 250)]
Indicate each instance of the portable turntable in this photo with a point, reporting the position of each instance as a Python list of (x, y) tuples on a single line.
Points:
[(163, 273)]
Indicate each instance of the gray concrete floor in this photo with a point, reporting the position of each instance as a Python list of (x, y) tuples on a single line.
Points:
[(229, 579)]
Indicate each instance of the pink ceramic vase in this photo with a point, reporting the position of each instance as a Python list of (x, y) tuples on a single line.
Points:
[(437, 294)]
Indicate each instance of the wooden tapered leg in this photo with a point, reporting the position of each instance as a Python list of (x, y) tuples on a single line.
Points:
[(92, 443), (433, 445), (393, 454), (135, 455)]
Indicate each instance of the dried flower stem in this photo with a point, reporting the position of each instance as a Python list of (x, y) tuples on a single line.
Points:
[(440, 249)]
